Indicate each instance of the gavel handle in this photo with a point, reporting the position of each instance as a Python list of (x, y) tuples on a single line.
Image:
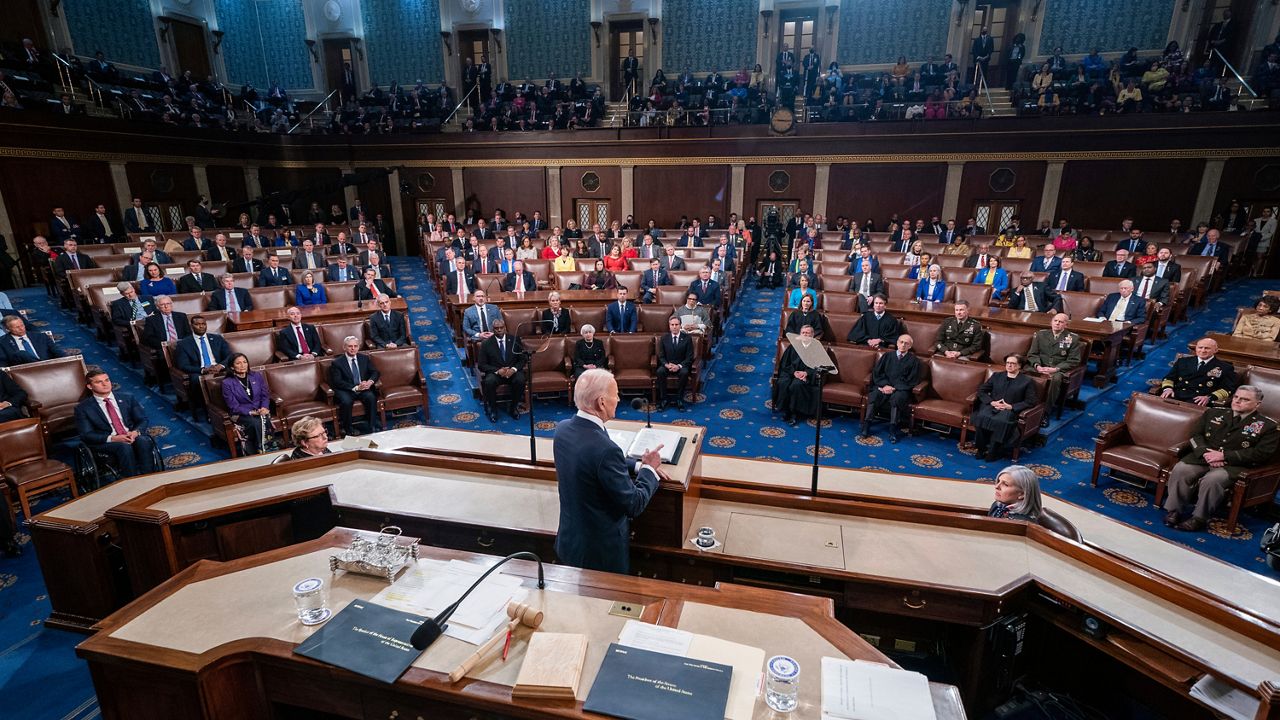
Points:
[(490, 645)]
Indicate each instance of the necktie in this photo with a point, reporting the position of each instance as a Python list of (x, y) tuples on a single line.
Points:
[(198, 283), (106, 226), (1208, 250), (232, 306), (1062, 280), (1031, 299), (117, 425), (866, 285), (1200, 366), (484, 320), (1117, 315), (704, 286), (169, 329), (302, 341), (25, 343), (355, 371), (75, 260), (1145, 288), (520, 283), (206, 356), (462, 287), (386, 318), (502, 348), (138, 311)]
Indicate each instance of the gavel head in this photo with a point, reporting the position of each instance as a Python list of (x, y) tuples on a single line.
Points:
[(524, 614)]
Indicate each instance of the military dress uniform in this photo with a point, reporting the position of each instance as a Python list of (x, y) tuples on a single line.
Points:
[(1247, 441), (964, 336), (1064, 351), (1190, 379)]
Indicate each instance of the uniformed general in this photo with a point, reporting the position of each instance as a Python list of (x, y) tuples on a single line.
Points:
[(1054, 353), (961, 335), (1201, 378), (1226, 442)]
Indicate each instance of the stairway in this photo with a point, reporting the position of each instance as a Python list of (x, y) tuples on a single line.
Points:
[(1000, 105)]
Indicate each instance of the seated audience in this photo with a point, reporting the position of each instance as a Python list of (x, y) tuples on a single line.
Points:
[(802, 290), (892, 379), (1000, 400), (129, 307), (621, 316), (478, 320), (200, 353), (308, 292), (247, 399), (164, 325), (519, 280), (1054, 353), (309, 435), (876, 327), (708, 290), (796, 390), (554, 320), (13, 401), (1262, 323), (352, 376), (230, 298), (675, 356), (387, 327), (156, 283), (599, 278), (1123, 306), (372, 288), (116, 425), (995, 276), (298, 340), (196, 280), (932, 288), (961, 335), (802, 316), (589, 353), (1201, 378), (695, 318), (273, 275), (498, 362)]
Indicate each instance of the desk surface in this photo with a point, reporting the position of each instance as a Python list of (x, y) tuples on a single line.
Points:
[(1260, 351), (1038, 321)]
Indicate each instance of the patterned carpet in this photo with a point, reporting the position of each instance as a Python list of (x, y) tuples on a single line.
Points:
[(40, 677)]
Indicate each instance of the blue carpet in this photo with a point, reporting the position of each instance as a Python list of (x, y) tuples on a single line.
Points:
[(41, 678)]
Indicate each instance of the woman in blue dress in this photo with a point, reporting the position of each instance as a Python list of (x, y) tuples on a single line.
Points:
[(932, 288), (308, 292)]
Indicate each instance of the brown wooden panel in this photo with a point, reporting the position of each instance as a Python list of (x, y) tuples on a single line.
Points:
[(322, 184), (438, 185), (169, 182), (666, 193), (571, 189), (1099, 193), (878, 190), (756, 187), (509, 189), (226, 184), (1240, 181), (32, 188), (975, 184)]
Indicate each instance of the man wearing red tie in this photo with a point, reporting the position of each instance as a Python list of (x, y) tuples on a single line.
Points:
[(519, 280), (461, 282), (299, 340), (115, 425)]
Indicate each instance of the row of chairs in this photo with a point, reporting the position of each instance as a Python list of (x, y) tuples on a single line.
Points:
[(633, 360)]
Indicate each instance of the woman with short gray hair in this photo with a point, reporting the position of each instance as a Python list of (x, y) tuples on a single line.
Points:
[(1017, 494), (588, 353)]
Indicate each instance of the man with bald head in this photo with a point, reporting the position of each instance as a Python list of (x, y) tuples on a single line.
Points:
[(1055, 352), (601, 491), (1201, 378), (892, 378)]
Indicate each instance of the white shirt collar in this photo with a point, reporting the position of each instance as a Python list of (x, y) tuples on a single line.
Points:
[(588, 416)]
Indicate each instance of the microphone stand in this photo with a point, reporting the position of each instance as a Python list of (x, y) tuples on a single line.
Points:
[(432, 628), (817, 431), (637, 403), (526, 357)]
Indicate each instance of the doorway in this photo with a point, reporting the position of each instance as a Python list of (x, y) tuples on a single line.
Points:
[(590, 211), (473, 45), (625, 37), (1001, 18), (24, 19), (337, 58), (994, 215), (191, 48)]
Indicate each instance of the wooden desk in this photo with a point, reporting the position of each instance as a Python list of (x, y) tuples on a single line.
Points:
[(332, 312), (219, 640), (1245, 351)]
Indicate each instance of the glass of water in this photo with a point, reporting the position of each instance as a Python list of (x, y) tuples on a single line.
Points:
[(782, 687), (312, 599)]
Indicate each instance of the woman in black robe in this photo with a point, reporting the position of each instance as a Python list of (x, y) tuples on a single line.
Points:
[(806, 315), (796, 390), (1001, 399), (588, 353)]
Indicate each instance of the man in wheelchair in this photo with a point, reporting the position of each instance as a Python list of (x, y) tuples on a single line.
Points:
[(114, 427)]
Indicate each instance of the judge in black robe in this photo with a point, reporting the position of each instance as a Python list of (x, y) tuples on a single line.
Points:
[(1000, 400), (796, 390), (806, 315)]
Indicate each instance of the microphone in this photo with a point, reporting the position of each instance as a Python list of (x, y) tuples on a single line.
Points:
[(432, 628), (637, 404)]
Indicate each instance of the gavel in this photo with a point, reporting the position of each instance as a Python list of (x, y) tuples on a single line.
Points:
[(520, 614)]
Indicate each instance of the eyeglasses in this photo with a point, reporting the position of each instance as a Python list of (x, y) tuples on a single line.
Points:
[(322, 433)]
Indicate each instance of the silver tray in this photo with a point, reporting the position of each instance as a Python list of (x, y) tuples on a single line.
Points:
[(383, 557)]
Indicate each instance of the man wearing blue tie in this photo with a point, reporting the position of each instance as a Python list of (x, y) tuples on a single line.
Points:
[(19, 348), (200, 353), (1210, 247), (1134, 243), (273, 275), (621, 316)]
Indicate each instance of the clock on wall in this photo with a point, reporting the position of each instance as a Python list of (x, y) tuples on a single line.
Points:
[(471, 6), (783, 121), (332, 10), (590, 182)]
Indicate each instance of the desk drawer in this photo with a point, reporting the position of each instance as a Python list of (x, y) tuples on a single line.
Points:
[(921, 602)]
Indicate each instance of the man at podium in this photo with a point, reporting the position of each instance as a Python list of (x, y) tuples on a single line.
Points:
[(598, 496)]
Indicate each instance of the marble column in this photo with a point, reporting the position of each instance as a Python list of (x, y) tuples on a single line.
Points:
[(1209, 182), (397, 216), (120, 180), (1049, 195), (555, 201), (737, 188), (629, 191), (821, 188), (951, 195), (459, 194)]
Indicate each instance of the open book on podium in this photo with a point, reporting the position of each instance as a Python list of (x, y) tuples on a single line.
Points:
[(635, 444)]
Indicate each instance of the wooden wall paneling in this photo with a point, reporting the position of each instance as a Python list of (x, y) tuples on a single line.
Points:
[(877, 190), (33, 187), (664, 193), (375, 193), (439, 184), (169, 182), (1099, 193), (509, 189), (1249, 178), (756, 186), (321, 184), (1028, 185), (226, 184), (610, 188)]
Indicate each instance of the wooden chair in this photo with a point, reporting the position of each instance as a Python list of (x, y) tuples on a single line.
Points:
[(298, 389), (1029, 419), (259, 345), (979, 296), (593, 316), (950, 394), (333, 334), (840, 302), (27, 468), (632, 361), (1148, 442), (900, 288), (849, 387), (53, 388), (401, 383)]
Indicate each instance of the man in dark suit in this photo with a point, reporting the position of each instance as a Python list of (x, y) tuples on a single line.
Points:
[(196, 280), (115, 424), (519, 280), (979, 259), (229, 298), (1066, 278), (1120, 267), (308, 257), (219, 252), (621, 316), (136, 220), (950, 234), (653, 278), (1031, 296), (18, 347), (875, 328), (357, 210), (387, 328), (983, 46), (892, 378), (1134, 244), (197, 241), (200, 353), (598, 497), (555, 319), (675, 356), (1153, 288), (255, 238), (352, 375), (63, 226), (1000, 400), (273, 275), (483, 232), (13, 400), (671, 262), (1124, 306), (165, 324), (129, 307), (867, 283), (498, 359), (246, 263), (72, 259), (864, 254), (341, 271), (371, 288), (484, 262), (1202, 378), (298, 340), (1048, 261), (1166, 267), (342, 246), (104, 229), (630, 72), (708, 290), (1211, 246)]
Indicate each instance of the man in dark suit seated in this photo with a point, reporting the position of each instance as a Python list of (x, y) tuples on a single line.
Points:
[(200, 353), (554, 320), (1120, 267), (229, 298), (298, 340), (273, 275), (387, 326), (103, 229), (670, 260), (675, 356), (246, 263), (499, 355), (1047, 261), (72, 259), (371, 288), (1211, 247), (196, 280), (708, 290), (13, 400), (352, 376), (875, 328), (255, 239), (341, 271), (116, 425), (460, 282), (1031, 296), (864, 253), (653, 278), (220, 252), (63, 227), (1150, 287), (18, 347), (1000, 400), (129, 307), (308, 257), (197, 241), (621, 316), (1066, 278), (1124, 306), (867, 284), (1166, 267), (598, 497), (892, 378), (1201, 378), (165, 324), (519, 280)]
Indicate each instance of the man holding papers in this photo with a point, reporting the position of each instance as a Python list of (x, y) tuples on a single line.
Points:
[(598, 497)]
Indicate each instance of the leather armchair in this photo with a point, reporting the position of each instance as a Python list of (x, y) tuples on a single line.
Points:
[(950, 393), (838, 328), (267, 298), (298, 389), (979, 296), (340, 292), (839, 302), (900, 288), (220, 416), (566, 278), (593, 316), (332, 334), (671, 295), (53, 388), (630, 279), (521, 321), (1003, 341), (551, 370), (924, 333), (401, 383), (695, 370), (848, 388), (653, 318), (632, 360), (1055, 523), (1268, 381), (835, 282), (1081, 305), (1255, 486), (27, 469), (1147, 443), (959, 275), (257, 345), (1029, 419)]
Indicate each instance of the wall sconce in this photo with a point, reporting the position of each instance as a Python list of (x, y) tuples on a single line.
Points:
[(766, 15), (311, 48), (595, 27), (653, 30), (960, 5), (217, 39), (165, 24), (831, 16), (355, 42), (445, 35), (497, 38)]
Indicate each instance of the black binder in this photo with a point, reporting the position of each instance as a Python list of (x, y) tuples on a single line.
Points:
[(367, 639), (642, 685)]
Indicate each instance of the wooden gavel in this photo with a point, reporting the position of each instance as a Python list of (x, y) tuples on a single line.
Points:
[(520, 614)]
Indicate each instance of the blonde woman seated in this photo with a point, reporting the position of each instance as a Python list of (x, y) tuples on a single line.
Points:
[(1020, 250), (1017, 495), (566, 262), (1262, 323)]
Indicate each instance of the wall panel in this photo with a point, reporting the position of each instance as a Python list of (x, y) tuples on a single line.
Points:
[(545, 36), (402, 41), (877, 32), (1079, 26), (121, 29), (666, 193), (756, 187), (1242, 180), (226, 184), (265, 43), (32, 188), (877, 190), (321, 184), (975, 184), (705, 35), (510, 189), (1098, 193), (571, 189), (163, 181)]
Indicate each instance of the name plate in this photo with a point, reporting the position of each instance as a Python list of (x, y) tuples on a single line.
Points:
[(236, 236), (110, 292), (175, 271), (145, 238), (284, 252), (133, 250)]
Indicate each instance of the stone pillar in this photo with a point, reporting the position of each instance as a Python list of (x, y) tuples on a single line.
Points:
[(1049, 195), (951, 195), (120, 180), (737, 187), (1209, 182), (397, 215), (629, 192), (554, 200), (252, 185), (821, 188), (459, 194), (201, 173), (351, 192), (6, 229)]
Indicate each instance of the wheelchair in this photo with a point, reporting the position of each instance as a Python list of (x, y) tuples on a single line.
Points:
[(94, 470)]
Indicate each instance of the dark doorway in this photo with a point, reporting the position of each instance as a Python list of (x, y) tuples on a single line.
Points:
[(24, 19), (1001, 18), (625, 37), (337, 56), (191, 47)]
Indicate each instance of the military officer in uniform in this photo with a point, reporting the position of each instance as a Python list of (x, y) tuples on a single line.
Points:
[(1054, 353), (961, 335), (1226, 442), (1201, 378)]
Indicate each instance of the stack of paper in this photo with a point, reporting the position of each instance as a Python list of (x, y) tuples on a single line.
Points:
[(636, 444), (1224, 698), (860, 690), (745, 660), (432, 585)]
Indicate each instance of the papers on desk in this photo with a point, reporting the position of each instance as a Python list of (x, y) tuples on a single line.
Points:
[(636, 444), (746, 661), (1095, 319), (1226, 699), (432, 585), (860, 690)]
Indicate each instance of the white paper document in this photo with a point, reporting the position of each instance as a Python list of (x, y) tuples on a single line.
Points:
[(857, 690), (431, 585), (1224, 698), (636, 444), (655, 638)]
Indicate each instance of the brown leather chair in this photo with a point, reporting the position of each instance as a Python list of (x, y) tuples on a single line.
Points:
[(894, 271), (949, 396), (1055, 523), (671, 296), (1147, 443), (684, 278), (153, 365), (835, 282), (1255, 486), (653, 318), (1081, 305), (1268, 381), (848, 387), (53, 388), (332, 335), (979, 296), (340, 292), (215, 321), (541, 270), (833, 302), (1029, 419), (900, 288), (695, 370), (948, 261), (924, 333), (630, 279), (27, 468), (593, 316), (838, 327), (268, 298), (958, 275), (1107, 285), (1003, 341), (401, 383), (190, 303), (565, 278), (632, 360), (219, 415), (522, 321), (833, 267), (298, 389), (551, 370), (259, 345)]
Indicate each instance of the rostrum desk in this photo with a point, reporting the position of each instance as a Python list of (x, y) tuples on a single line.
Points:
[(905, 551)]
